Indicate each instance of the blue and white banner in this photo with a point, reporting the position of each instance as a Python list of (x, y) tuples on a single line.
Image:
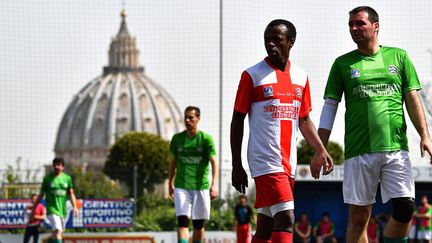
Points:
[(92, 213)]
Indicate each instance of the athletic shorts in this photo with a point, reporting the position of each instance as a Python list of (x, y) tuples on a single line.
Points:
[(56, 222), (195, 203), (363, 173), (274, 193), (424, 235)]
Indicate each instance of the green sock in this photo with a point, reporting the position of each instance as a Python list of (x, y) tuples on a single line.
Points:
[(180, 240), (397, 240)]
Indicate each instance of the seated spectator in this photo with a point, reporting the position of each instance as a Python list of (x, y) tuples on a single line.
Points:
[(424, 215), (302, 229), (323, 229)]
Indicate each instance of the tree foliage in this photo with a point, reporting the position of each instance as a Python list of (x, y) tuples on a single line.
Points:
[(148, 152), (305, 153), (89, 184)]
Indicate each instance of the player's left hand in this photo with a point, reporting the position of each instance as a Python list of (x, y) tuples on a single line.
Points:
[(321, 160), (426, 146), (213, 192), (75, 211)]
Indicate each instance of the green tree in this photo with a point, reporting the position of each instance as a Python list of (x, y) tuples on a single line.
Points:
[(148, 152), (94, 185), (305, 153)]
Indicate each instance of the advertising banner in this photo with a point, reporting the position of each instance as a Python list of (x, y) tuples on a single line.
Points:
[(92, 213)]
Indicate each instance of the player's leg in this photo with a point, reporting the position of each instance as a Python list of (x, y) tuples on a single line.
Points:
[(57, 224), (358, 218), (397, 184), (283, 226), (198, 232), (360, 184), (200, 213), (264, 226), (183, 205), (27, 234)]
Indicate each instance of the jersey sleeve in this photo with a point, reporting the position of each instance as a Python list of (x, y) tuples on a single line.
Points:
[(44, 187), (210, 145), (173, 146), (410, 80), (306, 104), (334, 87), (244, 95)]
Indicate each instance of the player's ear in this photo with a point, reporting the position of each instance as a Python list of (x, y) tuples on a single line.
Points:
[(376, 27), (292, 41)]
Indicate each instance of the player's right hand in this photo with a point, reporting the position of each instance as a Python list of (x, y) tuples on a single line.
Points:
[(239, 179)]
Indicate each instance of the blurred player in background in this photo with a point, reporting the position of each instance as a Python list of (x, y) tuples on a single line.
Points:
[(243, 216), (424, 217), (302, 229), (193, 151), (33, 225)]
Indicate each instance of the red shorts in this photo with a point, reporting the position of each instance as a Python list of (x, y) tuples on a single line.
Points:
[(244, 233), (273, 188)]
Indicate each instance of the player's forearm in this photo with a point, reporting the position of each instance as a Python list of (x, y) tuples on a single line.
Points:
[(236, 138), (171, 171), (416, 113), (324, 135), (307, 128), (73, 200), (215, 171)]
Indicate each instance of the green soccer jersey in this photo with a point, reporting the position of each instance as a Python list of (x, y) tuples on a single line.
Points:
[(374, 88), (192, 159), (56, 193)]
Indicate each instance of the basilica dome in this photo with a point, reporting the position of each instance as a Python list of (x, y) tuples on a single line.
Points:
[(121, 100)]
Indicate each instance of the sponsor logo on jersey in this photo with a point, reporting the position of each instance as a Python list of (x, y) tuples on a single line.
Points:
[(298, 92), (355, 73), (268, 91), (392, 69)]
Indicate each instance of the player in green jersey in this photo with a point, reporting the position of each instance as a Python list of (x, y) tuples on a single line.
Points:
[(56, 187), (189, 185), (376, 81)]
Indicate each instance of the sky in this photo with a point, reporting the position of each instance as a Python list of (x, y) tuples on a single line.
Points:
[(50, 49)]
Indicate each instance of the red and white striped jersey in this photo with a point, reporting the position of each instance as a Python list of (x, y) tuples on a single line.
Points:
[(274, 101)]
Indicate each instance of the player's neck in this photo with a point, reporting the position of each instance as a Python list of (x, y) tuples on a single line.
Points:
[(369, 48), (192, 132)]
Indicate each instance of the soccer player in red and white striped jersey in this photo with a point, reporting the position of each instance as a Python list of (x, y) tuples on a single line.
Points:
[(275, 95)]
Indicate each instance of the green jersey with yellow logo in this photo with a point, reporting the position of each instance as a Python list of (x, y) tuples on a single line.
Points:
[(192, 158), (374, 88), (56, 193)]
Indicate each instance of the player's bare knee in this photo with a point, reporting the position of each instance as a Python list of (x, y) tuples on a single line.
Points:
[(264, 227), (284, 221), (198, 224), (403, 209), (183, 221)]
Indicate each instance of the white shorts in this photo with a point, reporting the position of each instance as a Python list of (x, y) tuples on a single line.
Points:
[(272, 210), (424, 235), (56, 222), (412, 232), (195, 203), (363, 173)]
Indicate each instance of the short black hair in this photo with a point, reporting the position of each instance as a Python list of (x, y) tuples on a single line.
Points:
[(58, 160), (291, 33), (326, 214), (373, 15), (193, 108)]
